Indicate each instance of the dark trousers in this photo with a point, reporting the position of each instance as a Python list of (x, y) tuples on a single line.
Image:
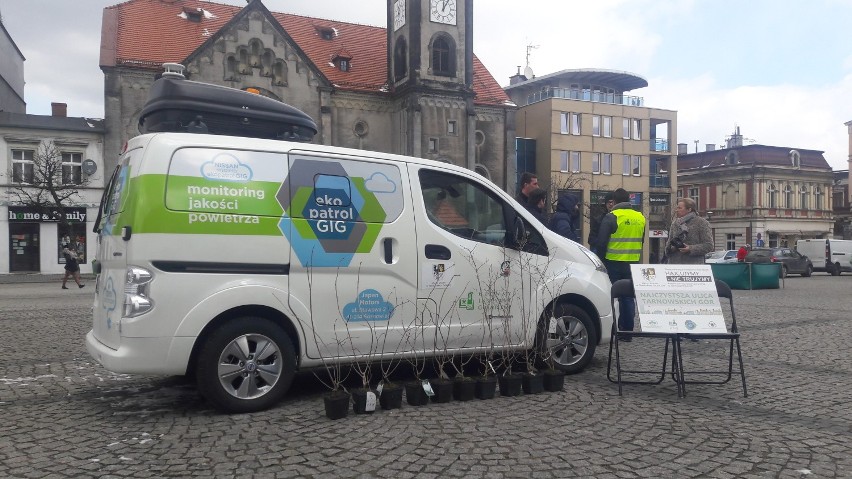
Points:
[(626, 305)]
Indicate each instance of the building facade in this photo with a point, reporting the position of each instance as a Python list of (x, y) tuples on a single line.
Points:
[(579, 131), (759, 195), (11, 74), (413, 88), (33, 237)]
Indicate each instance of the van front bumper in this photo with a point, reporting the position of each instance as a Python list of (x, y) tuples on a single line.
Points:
[(160, 356)]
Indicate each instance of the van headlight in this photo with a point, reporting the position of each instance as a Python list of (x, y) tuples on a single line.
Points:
[(137, 300), (593, 258)]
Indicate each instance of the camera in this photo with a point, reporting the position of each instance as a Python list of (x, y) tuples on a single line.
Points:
[(677, 243)]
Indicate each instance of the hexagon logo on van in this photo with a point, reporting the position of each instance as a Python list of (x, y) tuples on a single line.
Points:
[(328, 215)]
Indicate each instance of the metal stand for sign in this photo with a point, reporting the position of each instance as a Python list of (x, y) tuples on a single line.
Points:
[(733, 336), (624, 288)]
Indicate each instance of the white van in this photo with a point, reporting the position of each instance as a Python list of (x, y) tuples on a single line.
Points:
[(242, 261), (829, 255)]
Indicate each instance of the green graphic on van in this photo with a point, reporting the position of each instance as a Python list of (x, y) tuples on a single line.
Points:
[(331, 214)]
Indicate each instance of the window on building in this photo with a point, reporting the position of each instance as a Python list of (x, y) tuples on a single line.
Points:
[(443, 53), (625, 128), (452, 127), (730, 241), (400, 59), (433, 145), (606, 168), (692, 192), (596, 125), (563, 161), (343, 64), (773, 196), (564, 123), (637, 165), (625, 165), (72, 168), (607, 127), (637, 130), (22, 166), (596, 163), (803, 197), (575, 123), (575, 161), (818, 198), (788, 197), (73, 237)]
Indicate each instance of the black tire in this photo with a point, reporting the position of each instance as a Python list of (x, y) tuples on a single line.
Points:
[(835, 269), (808, 271), (232, 375), (783, 273), (574, 342)]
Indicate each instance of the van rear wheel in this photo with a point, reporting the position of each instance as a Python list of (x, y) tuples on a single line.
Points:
[(835, 269), (571, 344), (246, 365)]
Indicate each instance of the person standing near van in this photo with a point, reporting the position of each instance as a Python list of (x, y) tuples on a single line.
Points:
[(72, 268), (529, 182), (595, 224), (690, 236), (535, 204), (564, 220), (620, 238)]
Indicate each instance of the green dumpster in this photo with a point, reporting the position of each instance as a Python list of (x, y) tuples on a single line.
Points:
[(765, 275), (735, 274), (748, 275)]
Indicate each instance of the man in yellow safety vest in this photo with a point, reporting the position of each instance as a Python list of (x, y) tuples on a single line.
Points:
[(620, 239)]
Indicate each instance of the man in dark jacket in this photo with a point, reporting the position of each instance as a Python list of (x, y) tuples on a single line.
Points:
[(529, 182), (564, 220)]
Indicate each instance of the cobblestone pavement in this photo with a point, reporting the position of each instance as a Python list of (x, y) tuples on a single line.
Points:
[(65, 416)]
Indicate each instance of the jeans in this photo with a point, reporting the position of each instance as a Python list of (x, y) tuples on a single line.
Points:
[(626, 305)]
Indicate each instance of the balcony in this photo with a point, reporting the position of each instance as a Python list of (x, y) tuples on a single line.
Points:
[(659, 144), (659, 181), (586, 95)]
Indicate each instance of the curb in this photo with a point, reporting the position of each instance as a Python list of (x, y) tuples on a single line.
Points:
[(13, 278)]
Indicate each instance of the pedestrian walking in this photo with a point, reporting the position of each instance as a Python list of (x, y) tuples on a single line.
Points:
[(72, 268)]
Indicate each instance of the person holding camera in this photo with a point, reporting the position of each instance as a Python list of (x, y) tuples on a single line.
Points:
[(690, 237)]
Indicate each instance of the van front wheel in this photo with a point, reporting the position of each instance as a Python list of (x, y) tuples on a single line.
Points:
[(246, 365), (569, 344)]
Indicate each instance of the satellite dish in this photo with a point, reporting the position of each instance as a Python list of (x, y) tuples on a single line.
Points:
[(90, 167), (528, 72)]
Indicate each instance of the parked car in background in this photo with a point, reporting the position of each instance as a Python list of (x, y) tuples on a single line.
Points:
[(724, 256), (791, 261)]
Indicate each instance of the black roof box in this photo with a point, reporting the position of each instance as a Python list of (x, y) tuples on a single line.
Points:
[(179, 105)]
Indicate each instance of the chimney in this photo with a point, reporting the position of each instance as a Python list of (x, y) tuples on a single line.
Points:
[(681, 149), (709, 147), (59, 109), (517, 77)]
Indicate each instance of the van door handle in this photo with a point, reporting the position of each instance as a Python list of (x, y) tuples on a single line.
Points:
[(388, 244), (436, 251)]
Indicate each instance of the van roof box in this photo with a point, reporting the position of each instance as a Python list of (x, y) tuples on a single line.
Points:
[(179, 105)]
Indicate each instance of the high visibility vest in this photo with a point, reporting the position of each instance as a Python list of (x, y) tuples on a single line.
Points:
[(625, 244)]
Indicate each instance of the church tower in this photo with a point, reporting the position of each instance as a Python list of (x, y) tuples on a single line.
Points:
[(430, 73)]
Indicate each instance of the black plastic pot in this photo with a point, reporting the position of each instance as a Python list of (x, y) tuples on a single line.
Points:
[(391, 397), (510, 384), (533, 383), (443, 389), (464, 388), (486, 387), (554, 380), (359, 401), (336, 404), (415, 395)]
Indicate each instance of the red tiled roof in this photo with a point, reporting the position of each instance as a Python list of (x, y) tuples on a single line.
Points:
[(148, 33)]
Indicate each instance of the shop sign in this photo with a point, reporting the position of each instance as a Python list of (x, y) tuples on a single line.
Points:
[(659, 199), (23, 214)]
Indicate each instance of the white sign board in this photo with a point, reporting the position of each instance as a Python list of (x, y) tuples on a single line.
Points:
[(674, 298)]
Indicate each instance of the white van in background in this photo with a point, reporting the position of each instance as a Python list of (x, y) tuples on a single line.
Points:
[(829, 255)]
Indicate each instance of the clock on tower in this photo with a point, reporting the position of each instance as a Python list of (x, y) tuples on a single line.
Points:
[(443, 11)]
